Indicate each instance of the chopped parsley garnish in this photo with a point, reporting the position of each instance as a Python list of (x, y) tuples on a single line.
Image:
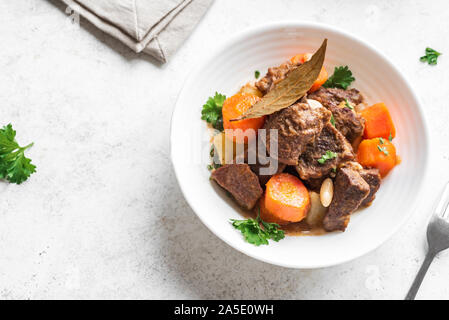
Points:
[(431, 56), (14, 166), (329, 155), (257, 74), (348, 105), (390, 137), (342, 78), (332, 120), (383, 149), (212, 111), (257, 232)]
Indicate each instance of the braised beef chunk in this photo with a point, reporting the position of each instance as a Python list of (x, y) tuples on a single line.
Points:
[(314, 184), (274, 75), (331, 97), (347, 121), (350, 189), (263, 179), (241, 182), (330, 139), (261, 164), (297, 126), (372, 177)]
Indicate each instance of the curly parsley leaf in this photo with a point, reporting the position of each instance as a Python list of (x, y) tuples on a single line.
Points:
[(342, 78), (258, 232), (257, 74), (431, 56), (212, 111), (329, 155), (14, 166)]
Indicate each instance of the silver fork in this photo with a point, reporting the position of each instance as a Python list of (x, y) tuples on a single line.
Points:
[(437, 239)]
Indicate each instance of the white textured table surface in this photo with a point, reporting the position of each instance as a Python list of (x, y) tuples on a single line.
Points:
[(104, 218)]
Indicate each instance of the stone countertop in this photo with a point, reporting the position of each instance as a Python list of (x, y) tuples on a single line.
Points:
[(104, 217)]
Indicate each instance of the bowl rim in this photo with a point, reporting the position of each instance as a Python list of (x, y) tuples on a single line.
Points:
[(265, 27)]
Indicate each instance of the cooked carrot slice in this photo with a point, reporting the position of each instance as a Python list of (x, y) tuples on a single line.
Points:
[(378, 122), (267, 216), (377, 153), (234, 107), (286, 198)]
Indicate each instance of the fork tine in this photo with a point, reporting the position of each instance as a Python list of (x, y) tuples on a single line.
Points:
[(443, 203)]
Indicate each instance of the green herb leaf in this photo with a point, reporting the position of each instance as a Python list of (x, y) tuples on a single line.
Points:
[(257, 74), (332, 120), (390, 137), (348, 105), (14, 166), (212, 111), (431, 56), (383, 149), (342, 78), (329, 155), (257, 232)]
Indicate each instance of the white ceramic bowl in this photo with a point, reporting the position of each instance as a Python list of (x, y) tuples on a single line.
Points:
[(232, 66)]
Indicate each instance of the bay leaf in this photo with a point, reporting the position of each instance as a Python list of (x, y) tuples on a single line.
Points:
[(289, 90)]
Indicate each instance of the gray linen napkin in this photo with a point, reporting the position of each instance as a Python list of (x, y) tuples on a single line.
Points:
[(156, 27)]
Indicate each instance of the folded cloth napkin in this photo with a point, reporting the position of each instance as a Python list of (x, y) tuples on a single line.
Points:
[(156, 27)]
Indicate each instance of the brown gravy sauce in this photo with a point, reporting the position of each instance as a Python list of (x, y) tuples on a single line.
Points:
[(301, 228)]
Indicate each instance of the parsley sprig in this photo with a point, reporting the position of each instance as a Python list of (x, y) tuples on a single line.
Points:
[(14, 166), (329, 155), (212, 111), (257, 232), (431, 56), (342, 78)]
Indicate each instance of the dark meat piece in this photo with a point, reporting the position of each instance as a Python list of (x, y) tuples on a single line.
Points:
[(274, 75), (263, 179), (349, 191), (330, 139), (314, 184), (332, 97), (261, 164), (297, 126), (372, 177), (347, 121), (241, 182)]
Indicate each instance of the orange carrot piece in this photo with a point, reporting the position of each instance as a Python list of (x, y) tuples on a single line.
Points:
[(378, 122), (235, 106), (267, 216), (287, 198), (322, 77), (377, 153)]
